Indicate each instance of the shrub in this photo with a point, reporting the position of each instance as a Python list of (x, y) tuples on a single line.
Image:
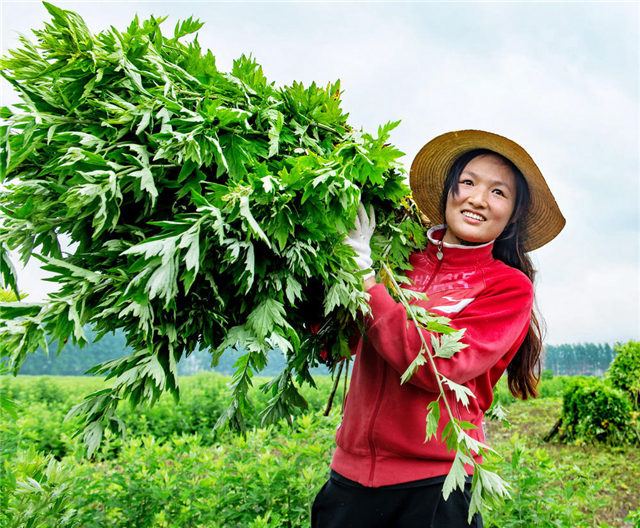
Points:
[(594, 411), (624, 371), (546, 374)]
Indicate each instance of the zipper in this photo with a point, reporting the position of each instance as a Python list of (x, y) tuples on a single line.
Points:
[(373, 421), (436, 270)]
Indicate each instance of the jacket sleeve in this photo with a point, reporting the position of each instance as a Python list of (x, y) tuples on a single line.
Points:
[(495, 322)]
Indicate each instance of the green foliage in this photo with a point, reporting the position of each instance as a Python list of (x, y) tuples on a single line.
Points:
[(549, 387), (624, 371), (554, 387), (271, 473), (48, 400), (270, 477), (37, 490), (544, 493), (594, 411), (207, 210), (634, 518)]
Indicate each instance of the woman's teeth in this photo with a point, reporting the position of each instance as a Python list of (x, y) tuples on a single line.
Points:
[(473, 215)]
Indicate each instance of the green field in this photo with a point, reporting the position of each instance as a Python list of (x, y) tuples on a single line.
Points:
[(172, 470)]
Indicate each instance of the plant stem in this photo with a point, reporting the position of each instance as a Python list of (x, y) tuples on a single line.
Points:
[(333, 390), (346, 378), (424, 342)]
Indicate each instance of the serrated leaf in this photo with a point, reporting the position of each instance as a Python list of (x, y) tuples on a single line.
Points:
[(457, 475), (191, 241), (9, 406), (419, 360), (246, 212), (265, 316), (433, 419), (445, 346), (293, 289), (461, 392), (497, 412)]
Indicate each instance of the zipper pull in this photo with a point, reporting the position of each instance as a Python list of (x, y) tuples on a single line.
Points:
[(439, 253)]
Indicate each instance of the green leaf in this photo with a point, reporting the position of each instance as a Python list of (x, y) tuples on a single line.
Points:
[(15, 310), (419, 360), (146, 182), (462, 393), (246, 212), (446, 346), (457, 475), (9, 406), (274, 134), (497, 412), (433, 419), (293, 289), (7, 271), (191, 241), (268, 314), (186, 27)]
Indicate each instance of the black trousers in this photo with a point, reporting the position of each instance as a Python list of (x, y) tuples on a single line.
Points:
[(342, 503)]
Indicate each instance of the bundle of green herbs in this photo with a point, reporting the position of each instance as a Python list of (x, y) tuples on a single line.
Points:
[(188, 207), (193, 208)]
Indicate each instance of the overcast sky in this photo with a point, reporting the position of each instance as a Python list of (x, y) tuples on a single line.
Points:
[(561, 78)]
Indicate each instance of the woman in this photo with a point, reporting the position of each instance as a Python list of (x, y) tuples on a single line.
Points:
[(496, 206)]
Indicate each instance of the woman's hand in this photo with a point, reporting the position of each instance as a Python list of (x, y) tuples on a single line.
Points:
[(360, 241)]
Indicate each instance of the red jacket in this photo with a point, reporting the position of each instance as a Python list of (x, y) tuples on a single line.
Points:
[(381, 438)]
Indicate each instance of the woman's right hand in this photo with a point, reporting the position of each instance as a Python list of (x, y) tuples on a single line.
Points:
[(360, 240)]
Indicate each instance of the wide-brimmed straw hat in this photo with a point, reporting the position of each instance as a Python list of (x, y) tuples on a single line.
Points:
[(432, 164)]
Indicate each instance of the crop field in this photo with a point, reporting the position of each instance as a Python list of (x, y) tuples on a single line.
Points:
[(172, 470)]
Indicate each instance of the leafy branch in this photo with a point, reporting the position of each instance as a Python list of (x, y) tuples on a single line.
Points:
[(204, 210), (487, 486)]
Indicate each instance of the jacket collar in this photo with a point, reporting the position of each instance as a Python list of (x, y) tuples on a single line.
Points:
[(456, 255)]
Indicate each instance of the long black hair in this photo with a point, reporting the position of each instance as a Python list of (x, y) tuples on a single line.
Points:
[(524, 370)]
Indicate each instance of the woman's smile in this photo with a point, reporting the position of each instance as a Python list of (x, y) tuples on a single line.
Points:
[(474, 216)]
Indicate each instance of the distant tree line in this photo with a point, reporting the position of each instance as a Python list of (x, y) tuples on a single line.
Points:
[(589, 359), (75, 361)]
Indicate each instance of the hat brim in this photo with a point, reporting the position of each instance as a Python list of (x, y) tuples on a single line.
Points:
[(434, 161)]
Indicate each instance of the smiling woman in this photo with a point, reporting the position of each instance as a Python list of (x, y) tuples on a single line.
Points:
[(474, 271)]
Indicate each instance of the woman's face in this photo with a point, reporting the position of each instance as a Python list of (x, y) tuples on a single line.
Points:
[(484, 203)]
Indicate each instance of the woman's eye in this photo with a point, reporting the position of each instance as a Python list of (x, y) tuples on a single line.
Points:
[(499, 192), (466, 182)]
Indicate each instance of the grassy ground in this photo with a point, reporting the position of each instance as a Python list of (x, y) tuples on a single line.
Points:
[(616, 469)]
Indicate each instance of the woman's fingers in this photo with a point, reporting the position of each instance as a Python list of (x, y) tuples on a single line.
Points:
[(364, 224)]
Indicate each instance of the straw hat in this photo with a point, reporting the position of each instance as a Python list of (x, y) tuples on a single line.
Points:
[(432, 164)]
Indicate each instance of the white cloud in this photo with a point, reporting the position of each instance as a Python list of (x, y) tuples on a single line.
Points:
[(597, 304), (556, 85)]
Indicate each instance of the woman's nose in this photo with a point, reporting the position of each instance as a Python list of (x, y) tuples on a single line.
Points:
[(478, 198)]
